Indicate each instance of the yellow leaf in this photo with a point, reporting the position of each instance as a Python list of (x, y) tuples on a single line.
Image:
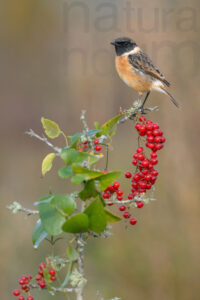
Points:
[(51, 128), (47, 163)]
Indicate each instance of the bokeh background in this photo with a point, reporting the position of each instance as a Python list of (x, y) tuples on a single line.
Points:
[(55, 60)]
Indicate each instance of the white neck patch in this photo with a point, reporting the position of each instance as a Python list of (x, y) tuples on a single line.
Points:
[(134, 51)]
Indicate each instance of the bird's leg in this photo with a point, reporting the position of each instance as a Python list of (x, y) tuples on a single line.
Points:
[(136, 103), (141, 108)]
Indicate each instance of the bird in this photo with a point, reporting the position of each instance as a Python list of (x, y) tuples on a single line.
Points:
[(137, 70)]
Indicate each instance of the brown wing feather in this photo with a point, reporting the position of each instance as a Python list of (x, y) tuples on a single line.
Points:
[(144, 64)]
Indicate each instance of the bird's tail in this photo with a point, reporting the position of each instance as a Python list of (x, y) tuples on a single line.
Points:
[(170, 96)]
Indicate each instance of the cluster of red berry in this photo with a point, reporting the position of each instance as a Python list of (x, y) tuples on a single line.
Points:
[(145, 175), (86, 146), (40, 277), (114, 189), (26, 281)]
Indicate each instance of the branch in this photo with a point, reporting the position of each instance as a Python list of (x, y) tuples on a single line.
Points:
[(15, 207), (133, 111), (43, 139)]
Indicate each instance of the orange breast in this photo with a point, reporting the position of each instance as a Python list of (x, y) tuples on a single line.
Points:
[(140, 83)]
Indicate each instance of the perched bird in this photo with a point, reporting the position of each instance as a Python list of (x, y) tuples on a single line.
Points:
[(137, 70)]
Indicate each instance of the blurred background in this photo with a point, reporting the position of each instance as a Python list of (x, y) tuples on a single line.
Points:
[(55, 60)]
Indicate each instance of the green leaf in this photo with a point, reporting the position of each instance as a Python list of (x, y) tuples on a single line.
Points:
[(96, 215), (111, 217), (39, 234), (64, 203), (47, 163), (72, 253), (51, 129), (71, 156), (109, 128), (52, 220), (85, 173), (106, 179), (97, 125), (76, 224), (65, 172), (89, 190)]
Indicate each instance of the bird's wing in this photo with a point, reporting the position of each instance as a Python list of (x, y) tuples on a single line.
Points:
[(143, 63)]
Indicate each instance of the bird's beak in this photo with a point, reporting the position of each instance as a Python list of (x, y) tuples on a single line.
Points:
[(113, 43)]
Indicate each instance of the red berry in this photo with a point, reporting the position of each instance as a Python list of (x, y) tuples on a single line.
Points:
[(148, 186), (142, 185), (80, 149), (116, 185), (139, 149), (134, 162), (141, 156), (38, 277), (158, 146), (122, 207), (145, 163), (134, 184), (145, 171), (142, 133), (52, 272), (133, 221), (157, 139), (25, 288), (130, 196), (162, 139), (111, 189), (85, 146), (21, 298), (140, 204), (142, 118), (149, 127), (149, 133), (155, 132), (110, 204), (30, 298), (136, 177), (119, 192), (53, 278), (128, 175), (42, 283), (98, 148), (155, 126), (154, 161), (126, 215), (150, 139), (137, 126), (120, 198), (96, 141), (23, 278), (154, 173), (21, 282), (150, 167), (105, 195), (154, 155), (135, 155), (150, 145), (16, 292), (148, 177), (42, 265), (40, 273), (142, 128)]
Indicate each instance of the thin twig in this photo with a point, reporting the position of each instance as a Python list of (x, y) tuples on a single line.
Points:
[(15, 207), (43, 139)]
